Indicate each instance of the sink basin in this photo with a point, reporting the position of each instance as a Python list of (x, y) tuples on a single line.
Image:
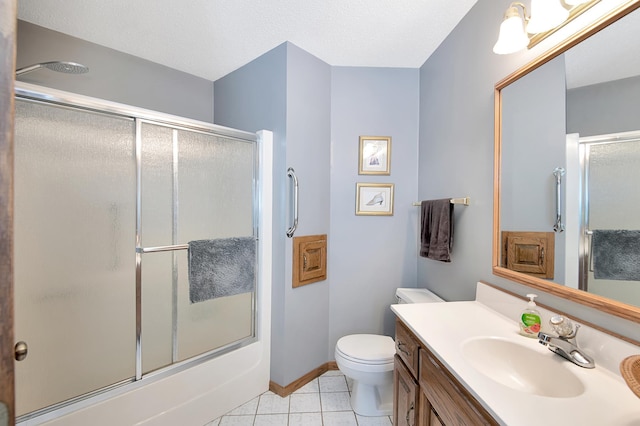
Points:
[(522, 368)]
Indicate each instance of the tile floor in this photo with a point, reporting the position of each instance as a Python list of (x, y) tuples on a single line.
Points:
[(321, 402)]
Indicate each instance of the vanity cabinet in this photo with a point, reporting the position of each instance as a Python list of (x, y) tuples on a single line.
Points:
[(407, 347), (451, 401), (405, 378), (427, 415), (405, 395), (425, 392)]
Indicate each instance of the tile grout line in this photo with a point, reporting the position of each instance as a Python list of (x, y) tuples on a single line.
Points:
[(320, 399), (321, 412)]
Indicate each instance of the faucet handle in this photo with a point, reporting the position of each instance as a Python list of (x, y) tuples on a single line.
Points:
[(563, 326), (544, 338)]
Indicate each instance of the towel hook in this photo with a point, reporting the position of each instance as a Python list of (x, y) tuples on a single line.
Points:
[(292, 229), (558, 173)]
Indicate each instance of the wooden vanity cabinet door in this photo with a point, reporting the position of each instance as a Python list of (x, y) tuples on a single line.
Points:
[(405, 395), (424, 408), (428, 417), (407, 347), (434, 420), (453, 403)]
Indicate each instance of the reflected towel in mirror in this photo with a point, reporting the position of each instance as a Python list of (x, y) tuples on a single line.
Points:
[(616, 254)]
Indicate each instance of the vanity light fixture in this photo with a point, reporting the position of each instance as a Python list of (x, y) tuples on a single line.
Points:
[(545, 15), (519, 30), (512, 37)]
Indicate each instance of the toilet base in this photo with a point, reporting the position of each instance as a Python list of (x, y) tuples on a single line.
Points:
[(372, 401)]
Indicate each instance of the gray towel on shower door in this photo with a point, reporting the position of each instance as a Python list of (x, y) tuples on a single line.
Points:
[(436, 232), (616, 254), (221, 267)]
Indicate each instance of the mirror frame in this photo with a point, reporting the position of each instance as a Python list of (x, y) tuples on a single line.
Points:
[(601, 303)]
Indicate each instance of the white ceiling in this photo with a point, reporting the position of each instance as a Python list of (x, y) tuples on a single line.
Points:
[(210, 38)]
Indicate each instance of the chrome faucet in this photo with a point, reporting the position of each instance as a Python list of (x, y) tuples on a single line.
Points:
[(564, 344)]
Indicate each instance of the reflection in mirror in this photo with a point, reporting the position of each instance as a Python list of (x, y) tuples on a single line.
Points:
[(575, 109), (533, 133), (610, 225)]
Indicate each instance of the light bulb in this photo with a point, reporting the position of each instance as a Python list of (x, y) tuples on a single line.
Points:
[(512, 37), (546, 15)]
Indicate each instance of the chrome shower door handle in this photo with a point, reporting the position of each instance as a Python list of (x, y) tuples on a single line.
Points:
[(558, 173), (292, 229)]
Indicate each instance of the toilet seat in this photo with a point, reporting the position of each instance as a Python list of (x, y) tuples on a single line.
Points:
[(368, 349)]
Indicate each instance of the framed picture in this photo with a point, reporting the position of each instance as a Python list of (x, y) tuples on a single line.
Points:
[(375, 155), (374, 199)]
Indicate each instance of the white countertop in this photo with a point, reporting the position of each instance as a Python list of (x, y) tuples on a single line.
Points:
[(444, 327)]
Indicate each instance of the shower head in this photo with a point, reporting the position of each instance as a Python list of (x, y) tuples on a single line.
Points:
[(65, 67)]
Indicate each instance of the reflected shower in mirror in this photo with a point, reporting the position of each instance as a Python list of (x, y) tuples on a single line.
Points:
[(610, 227)]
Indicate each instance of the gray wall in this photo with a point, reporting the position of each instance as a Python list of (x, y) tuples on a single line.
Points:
[(306, 311), (456, 155), (288, 91), (455, 159), (327, 109), (456, 145), (113, 75), (371, 256), (604, 108)]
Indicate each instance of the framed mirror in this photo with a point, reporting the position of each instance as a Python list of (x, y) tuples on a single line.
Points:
[(545, 128)]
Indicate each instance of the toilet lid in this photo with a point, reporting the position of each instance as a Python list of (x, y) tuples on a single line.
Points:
[(370, 348)]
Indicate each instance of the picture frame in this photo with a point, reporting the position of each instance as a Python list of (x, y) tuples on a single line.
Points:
[(375, 155), (374, 199)]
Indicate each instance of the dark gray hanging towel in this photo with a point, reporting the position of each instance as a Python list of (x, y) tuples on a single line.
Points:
[(221, 267), (616, 254), (436, 233)]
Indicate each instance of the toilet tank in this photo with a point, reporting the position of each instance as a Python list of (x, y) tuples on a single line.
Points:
[(416, 295)]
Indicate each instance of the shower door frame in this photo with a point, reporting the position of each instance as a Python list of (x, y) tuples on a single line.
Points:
[(35, 93), (8, 34)]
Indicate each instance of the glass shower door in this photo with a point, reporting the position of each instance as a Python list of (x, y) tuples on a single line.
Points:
[(105, 208), (194, 186), (216, 178), (74, 263), (612, 202)]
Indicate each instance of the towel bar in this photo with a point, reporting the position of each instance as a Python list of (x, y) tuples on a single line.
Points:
[(162, 248), (464, 201)]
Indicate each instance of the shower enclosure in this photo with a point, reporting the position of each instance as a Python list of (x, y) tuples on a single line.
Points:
[(610, 201), (106, 200)]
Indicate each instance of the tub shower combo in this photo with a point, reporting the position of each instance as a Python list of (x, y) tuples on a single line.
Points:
[(131, 230)]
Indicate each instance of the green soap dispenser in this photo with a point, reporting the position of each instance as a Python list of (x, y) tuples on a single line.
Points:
[(530, 319)]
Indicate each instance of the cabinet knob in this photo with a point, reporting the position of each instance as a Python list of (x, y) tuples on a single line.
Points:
[(400, 348)]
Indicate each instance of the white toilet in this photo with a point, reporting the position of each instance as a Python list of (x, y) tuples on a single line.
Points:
[(367, 359)]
